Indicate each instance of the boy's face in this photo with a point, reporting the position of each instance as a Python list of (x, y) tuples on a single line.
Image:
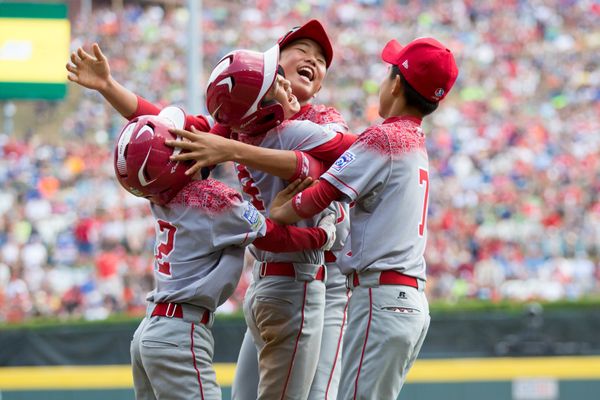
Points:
[(304, 65), (281, 92)]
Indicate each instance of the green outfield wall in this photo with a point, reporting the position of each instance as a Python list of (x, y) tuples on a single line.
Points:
[(528, 354)]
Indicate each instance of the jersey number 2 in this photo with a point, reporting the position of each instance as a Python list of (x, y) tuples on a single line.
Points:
[(249, 187), (165, 246), (424, 181)]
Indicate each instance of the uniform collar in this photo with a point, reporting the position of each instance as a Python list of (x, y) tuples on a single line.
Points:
[(395, 118), (303, 109)]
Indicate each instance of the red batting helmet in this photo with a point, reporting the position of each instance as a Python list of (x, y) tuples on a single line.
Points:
[(142, 162), (237, 86)]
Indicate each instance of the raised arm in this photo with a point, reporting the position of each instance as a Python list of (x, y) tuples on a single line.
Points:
[(92, 71), (210, 149)]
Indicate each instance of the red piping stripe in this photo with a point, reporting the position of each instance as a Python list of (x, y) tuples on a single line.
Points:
[(195, 365), (337, 179), (342, 213), (365, 343), (287, 379), (337, 350)]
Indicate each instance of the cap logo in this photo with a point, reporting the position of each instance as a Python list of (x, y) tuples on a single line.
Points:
[(405, 64), (439, 92)]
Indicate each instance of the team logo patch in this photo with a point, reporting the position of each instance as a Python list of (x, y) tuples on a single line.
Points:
[(439, 92), (343, 161), (252, 216)]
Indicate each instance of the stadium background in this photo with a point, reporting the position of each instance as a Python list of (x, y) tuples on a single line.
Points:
[(513, 260)]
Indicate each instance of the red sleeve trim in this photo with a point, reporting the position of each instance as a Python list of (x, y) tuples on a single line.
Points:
[(221, 130), (197, 121), (333, 149), (306, 165), (315, 199), (337, 179), (144, 107), (288, 238)]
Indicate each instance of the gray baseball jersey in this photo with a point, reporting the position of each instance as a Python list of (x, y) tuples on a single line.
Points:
[(386, 174), (200, 239), (261, 188)]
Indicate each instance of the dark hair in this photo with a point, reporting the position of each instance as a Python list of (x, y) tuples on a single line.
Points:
[(414, 98)]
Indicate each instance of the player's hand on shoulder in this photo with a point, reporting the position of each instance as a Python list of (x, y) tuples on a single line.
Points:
[(205, 148), (89, 70)]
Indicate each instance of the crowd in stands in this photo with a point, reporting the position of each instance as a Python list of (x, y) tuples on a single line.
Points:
[(514, 151)]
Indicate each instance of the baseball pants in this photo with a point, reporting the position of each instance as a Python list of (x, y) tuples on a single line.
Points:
[(386, 328), (172, 360), (285, 318), (327, 377)]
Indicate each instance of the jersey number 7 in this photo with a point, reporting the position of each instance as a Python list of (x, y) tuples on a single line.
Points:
[(424, 181)]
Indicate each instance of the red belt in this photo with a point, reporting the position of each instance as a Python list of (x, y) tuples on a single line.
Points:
[(285, 269), (391, 277), (330, 257), (175, 310)]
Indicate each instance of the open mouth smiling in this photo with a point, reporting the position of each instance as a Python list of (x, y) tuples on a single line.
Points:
[(306, 72)]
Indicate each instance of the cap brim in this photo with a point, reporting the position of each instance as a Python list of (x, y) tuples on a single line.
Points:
[(174, 114), (311, 30), (391, 51)]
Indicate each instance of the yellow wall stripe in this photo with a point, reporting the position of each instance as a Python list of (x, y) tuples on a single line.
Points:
[(34, 50), (446, 370)]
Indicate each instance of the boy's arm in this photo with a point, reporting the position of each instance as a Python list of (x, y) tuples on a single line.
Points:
[(213, 149), (287, 238), (208, 150), (92, 71)]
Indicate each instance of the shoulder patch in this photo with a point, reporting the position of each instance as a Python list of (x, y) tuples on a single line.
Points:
[(252, 215), (343, 161)]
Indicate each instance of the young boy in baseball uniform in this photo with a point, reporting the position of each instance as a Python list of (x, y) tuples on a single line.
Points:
[(385, 174), (284, 305), (202, 228)]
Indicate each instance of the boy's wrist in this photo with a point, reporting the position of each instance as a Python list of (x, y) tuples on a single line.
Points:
[(108, 86)]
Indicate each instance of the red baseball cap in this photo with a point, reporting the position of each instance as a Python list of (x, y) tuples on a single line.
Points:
[(426, 64), (310, 30)]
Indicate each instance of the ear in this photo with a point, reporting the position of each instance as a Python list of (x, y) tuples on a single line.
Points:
[(397, 86)]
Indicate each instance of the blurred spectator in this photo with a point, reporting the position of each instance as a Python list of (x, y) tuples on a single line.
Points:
[(514, 151)]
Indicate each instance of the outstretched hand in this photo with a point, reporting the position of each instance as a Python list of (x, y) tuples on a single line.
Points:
[(281, 206), (205, 148), (87, 70)]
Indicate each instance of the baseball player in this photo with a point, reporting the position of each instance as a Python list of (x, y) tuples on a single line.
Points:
[(284, 305), (202, 227), (385, 174)]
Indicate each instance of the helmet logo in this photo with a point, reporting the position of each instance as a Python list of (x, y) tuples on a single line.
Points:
[(141, 176), (222, 66), (227, 81)]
